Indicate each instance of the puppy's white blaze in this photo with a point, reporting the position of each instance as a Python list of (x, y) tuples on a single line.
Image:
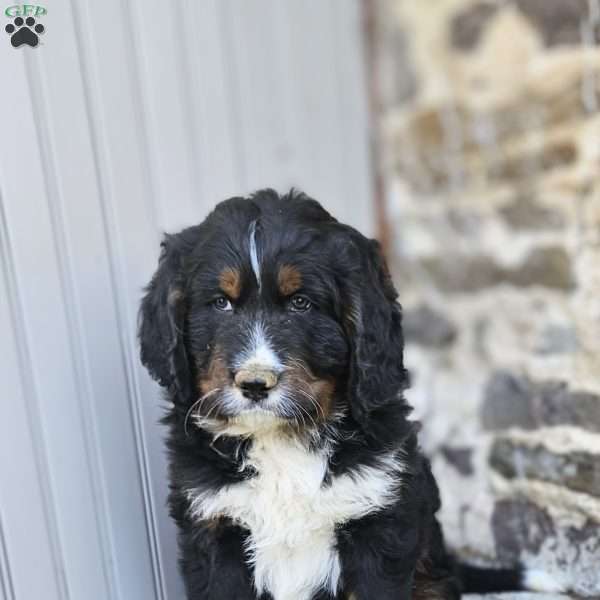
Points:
[(254, 253), (291, 514), (259, 351), (538, 580)]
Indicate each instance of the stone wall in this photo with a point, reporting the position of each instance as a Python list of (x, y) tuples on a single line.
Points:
[(489, 125)]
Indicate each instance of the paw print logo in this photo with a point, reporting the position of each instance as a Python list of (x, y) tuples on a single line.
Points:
[(24, 32)]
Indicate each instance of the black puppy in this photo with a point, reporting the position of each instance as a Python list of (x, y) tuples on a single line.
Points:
[(295, 473)]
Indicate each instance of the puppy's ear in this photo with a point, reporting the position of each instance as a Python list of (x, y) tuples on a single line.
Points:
[(374, 321), (161, 318)]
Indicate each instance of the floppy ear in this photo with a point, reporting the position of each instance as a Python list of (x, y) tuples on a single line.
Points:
[(377, 373), (161, 319)]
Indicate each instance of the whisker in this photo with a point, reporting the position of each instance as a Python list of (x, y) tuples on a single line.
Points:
[(300, 364), (313, 401), (198, 404), (207, 417), (289, 408), (300, 407), (294, 362)]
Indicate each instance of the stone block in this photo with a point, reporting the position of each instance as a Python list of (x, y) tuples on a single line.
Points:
[(524, 213), (520, 525), (548, 267), (508, 402), (460, 457), (527, 533), (575, 470), (466, 27), (560, 21), (512, 400), (428, 327)]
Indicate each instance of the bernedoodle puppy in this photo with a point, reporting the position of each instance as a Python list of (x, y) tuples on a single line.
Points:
[(295, 472)]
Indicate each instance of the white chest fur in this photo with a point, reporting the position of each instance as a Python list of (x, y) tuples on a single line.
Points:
[(291, 514)]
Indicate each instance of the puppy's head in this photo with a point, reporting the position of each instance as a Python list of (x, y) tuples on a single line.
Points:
[(271, 313)]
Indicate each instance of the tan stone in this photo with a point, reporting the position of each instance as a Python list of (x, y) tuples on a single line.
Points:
[(497, 71)]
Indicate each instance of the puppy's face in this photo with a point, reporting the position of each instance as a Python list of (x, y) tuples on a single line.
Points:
[(263, 326), (271, 313)]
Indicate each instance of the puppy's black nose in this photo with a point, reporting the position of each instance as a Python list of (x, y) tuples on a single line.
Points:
[(255, 382), (255, 390)]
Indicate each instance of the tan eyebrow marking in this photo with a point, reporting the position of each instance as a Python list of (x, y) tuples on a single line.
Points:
[(231, 282), (289, 280)]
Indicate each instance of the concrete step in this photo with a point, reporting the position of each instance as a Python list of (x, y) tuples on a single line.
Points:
[(518, 596)]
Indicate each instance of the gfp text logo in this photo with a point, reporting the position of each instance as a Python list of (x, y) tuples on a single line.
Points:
[(25, 10), (24, 29)]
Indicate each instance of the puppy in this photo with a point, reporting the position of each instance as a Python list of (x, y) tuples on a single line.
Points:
[(295, 473)]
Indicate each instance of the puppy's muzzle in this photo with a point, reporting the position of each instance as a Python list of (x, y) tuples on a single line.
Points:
[(255, 381)]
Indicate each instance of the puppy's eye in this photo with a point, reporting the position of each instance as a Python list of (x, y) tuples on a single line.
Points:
[(221, 303), (299, 303)]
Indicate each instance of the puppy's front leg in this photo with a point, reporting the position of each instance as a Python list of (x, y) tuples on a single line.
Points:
[(213, 562), (379, 557)]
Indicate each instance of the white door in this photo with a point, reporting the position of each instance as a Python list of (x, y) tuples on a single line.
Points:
[(131, 118)]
